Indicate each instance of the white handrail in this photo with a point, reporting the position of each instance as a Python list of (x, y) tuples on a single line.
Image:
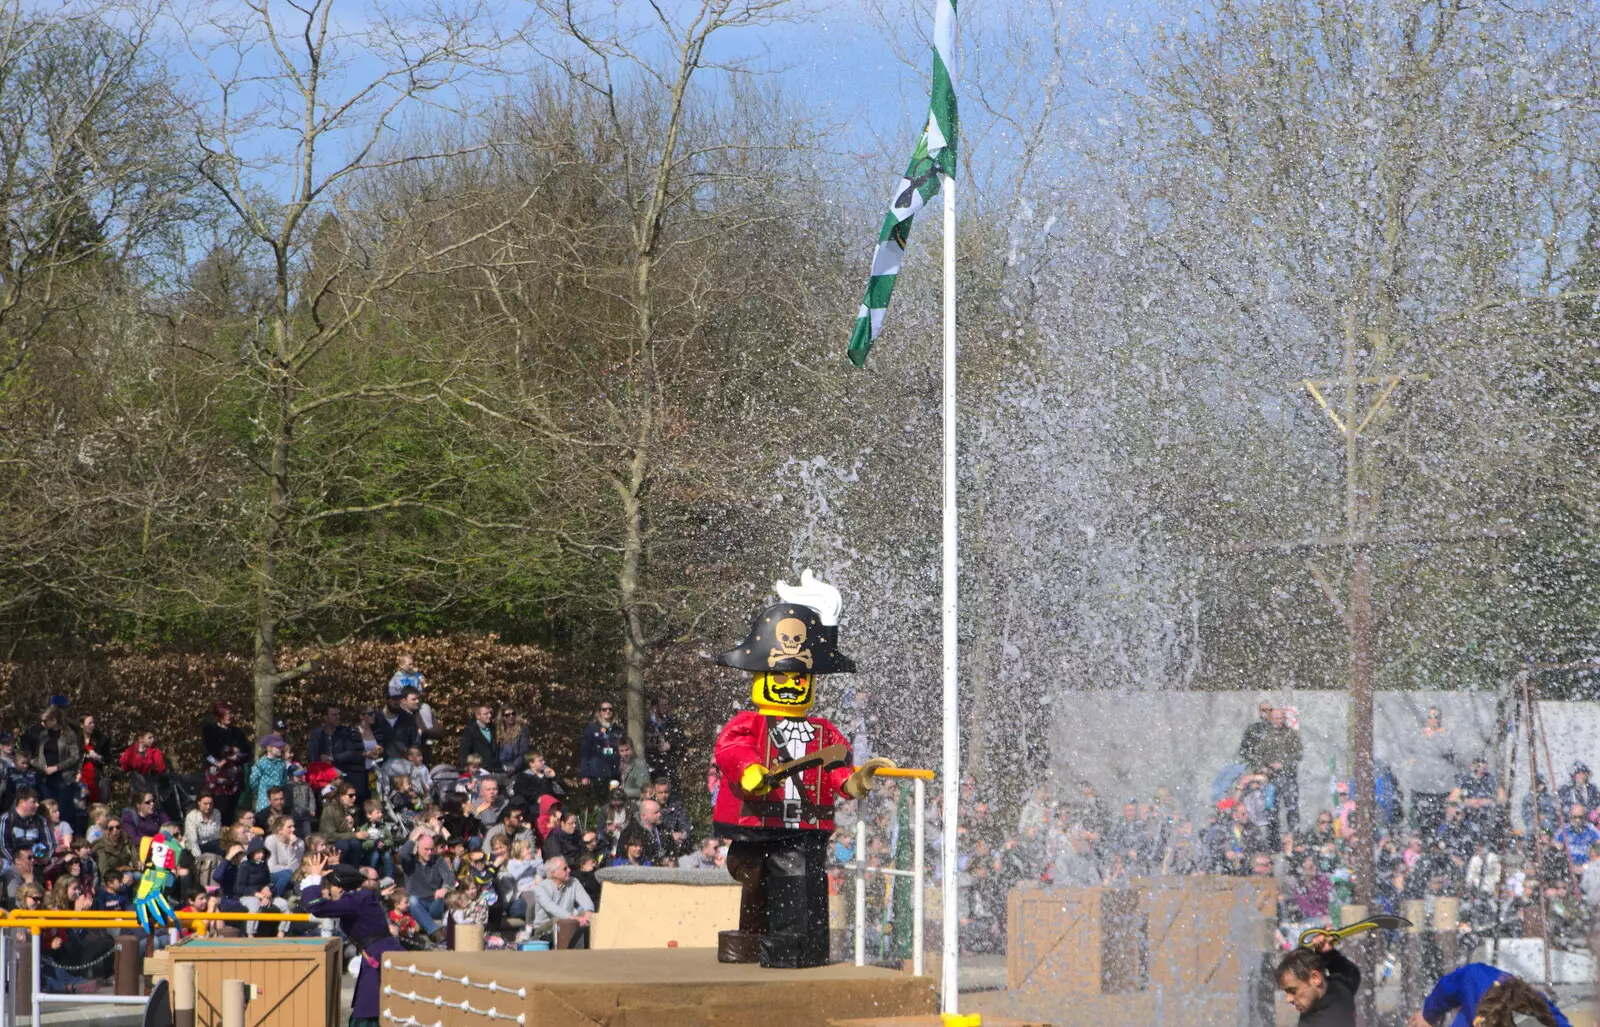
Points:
[(859, 865)]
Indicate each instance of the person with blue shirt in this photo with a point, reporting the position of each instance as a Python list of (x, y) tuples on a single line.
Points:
[(1486, 996), (1577, 836)]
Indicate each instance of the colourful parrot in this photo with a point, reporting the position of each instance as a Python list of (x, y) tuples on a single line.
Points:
[(159, 853)]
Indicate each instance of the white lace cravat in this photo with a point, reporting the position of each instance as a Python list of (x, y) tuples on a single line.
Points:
[(792, 735)]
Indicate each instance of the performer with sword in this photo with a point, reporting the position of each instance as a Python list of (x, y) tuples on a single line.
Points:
[(1319, 981), (782, 772)]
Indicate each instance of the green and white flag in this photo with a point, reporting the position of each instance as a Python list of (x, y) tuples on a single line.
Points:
[(935, 155)]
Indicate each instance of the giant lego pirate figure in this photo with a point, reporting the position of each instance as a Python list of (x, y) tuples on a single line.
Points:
[(782, 772)]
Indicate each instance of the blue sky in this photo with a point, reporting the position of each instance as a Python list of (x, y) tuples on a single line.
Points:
[(860, 68)]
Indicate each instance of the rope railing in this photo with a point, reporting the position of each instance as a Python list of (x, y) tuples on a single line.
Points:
[(439, 1002), (464, 981)]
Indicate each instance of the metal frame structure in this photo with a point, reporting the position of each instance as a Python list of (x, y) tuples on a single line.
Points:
[(35, 920), (919, 779)]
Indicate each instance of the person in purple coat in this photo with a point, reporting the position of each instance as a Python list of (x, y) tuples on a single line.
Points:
[(337, 894)]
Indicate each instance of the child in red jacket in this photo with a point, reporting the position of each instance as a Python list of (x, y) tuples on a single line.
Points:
[(142, 757)]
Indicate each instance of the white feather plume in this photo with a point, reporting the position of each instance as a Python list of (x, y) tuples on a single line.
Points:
[(815, 593)]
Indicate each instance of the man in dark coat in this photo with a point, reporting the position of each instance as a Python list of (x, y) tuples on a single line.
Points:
[(396, 728), (1321, 983), (664, 740), (1254, 735), (336, 893), (336, 743), (478, 739)]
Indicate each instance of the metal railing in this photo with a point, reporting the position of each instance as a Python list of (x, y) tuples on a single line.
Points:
[(36, 920), (919, 780)]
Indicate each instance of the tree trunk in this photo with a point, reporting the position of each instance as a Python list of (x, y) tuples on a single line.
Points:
[(1365, 792), (633, 654), (633, 508), (264, 671)]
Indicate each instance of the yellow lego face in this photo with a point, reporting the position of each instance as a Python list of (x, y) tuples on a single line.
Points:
[(781, 694)]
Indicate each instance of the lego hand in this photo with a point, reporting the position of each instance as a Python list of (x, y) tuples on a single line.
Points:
[(752, 780), (858, 784)]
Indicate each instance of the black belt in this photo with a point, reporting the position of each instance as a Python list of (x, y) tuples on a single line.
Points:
[(800, 810)]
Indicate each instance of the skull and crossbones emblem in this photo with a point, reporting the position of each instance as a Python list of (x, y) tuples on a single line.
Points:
[(791, 632)]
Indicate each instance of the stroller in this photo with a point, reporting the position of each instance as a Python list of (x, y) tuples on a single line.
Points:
[(175, 793), (394, 818), (446, 778)]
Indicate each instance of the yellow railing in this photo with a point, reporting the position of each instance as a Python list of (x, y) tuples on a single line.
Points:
[(925, 775), (36, 920)]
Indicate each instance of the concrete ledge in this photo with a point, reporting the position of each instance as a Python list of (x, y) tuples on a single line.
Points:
[(663, 875)]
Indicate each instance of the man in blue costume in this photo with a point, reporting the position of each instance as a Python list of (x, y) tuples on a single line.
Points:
[(337, 894), (1486, 996)]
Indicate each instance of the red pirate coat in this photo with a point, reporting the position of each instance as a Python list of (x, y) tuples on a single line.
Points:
[(748, 738)]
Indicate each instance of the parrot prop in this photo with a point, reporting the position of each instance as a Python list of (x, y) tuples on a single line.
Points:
[(159, 854)]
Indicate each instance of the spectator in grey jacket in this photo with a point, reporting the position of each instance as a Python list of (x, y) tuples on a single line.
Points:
[(428, 879), (1430, 772), (558, 896), (704, 859)]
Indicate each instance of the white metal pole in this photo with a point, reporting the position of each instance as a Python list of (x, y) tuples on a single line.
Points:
[(861, 887), (952, 725), (918, 791), (34, 972)]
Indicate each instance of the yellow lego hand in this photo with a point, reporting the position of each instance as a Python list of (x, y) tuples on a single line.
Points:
[(752, 780), (858, 784)]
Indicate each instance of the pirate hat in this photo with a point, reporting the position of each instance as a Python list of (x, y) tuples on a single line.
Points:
[(343, 875), (791, 638)]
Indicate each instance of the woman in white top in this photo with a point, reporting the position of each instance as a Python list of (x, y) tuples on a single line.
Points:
[(202, 826), (284, 853)]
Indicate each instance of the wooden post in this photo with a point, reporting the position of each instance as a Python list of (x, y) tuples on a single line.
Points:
[(1411, 976), (22, 987), (1446, 920), (235, 996), (469, 938), (128, 967), (182, 976)]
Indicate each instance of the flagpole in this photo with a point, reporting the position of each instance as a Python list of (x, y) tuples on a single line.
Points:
[(952, 724)]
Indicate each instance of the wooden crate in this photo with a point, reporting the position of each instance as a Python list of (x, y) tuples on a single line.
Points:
[(1205, 934), (1074, 941), (298, 978)]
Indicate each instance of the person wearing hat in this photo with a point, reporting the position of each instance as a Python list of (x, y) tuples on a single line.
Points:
[(779, 824), (1580, 791), (338, 892), (270, 770)]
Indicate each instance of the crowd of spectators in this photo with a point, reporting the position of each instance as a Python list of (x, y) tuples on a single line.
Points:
[(462, 827), (476, 826), (1452, 834)]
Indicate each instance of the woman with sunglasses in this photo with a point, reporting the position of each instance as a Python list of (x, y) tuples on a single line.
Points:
[(141, 820), (599, 762), (112, 852), (512, 741)]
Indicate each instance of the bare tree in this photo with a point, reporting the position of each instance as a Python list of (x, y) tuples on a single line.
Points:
[(664, 174), (306, 104), (95, 196)]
